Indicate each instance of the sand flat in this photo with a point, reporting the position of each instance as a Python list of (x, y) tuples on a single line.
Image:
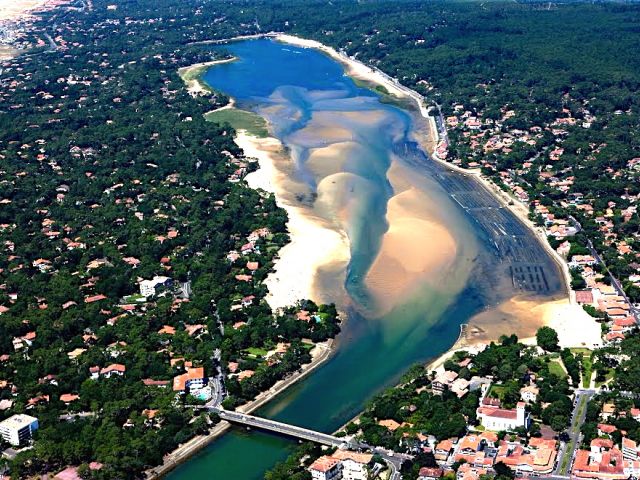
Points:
[(315, 242), (15, 9), (525, 315), (416, 249)]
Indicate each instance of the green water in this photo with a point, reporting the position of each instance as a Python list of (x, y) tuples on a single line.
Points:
[(310, 104)]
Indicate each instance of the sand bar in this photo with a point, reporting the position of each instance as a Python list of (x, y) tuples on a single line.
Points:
[(315, 243)]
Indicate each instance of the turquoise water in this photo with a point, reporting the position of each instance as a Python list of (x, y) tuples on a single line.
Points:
[(311, 105)]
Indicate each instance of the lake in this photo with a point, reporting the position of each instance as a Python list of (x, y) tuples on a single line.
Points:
[(429, 248)]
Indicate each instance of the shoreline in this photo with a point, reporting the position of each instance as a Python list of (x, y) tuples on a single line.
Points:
[(266, 178), (192, 77), (323, 351), (314, 244)]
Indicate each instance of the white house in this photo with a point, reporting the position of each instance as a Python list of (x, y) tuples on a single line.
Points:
[(18, 428), (354, 464), (149, 288), (497, 419), (326, 468), (529, 393)]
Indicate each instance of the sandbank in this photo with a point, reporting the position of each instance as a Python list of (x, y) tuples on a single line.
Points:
[(17, 9), (315, 243), (415, 250), (524, 316)]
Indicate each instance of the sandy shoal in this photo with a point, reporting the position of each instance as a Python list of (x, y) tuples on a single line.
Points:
[(13, 10), (524, 316), (315, 244), (416, 249)]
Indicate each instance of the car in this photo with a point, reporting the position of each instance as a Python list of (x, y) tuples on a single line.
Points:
[(564, 437)]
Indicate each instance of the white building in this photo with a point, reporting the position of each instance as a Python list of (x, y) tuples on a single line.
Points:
[(326, 468), (529, 393), (149, 288), (354, 464), (497, 419), (18, 429)]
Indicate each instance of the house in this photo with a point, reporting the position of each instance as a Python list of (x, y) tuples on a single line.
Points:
[(354, 464), (18, 429), (605, 429), (460, 387), (115, 369), (193, 378), (326, 468), (537, 458), (443, 381), (67, 398), (158, 284), (430, 473), (94, 372), (529, 393), (497, 419), (389, 424), (602, 461), (443, 450)]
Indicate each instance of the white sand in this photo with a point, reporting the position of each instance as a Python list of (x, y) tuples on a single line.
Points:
[(315, 243), (575, 327), (15, 9), (191, 76)]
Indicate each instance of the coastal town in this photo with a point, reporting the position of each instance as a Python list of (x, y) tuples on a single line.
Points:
[(139, 319)]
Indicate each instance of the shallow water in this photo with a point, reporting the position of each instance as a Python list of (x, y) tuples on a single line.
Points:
[(348, 147)]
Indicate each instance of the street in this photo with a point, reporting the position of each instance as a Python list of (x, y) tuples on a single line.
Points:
[(567, 449)]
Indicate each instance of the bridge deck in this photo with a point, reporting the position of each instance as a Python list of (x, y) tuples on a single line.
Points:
[(284, 429)]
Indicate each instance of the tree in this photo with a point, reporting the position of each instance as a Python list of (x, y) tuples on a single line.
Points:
[(503, 471), (547, 339)]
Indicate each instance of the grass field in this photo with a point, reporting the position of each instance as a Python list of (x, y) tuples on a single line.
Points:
[(255, 352), (556, 369), (240, 120)]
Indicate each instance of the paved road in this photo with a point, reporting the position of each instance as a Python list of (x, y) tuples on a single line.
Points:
[(614, 281), (394, 460), (567, 450)]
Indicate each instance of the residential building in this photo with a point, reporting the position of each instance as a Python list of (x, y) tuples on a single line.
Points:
[(192, 379), (326, 468), (18, 429), (354, 464), (443, 381), (156, 285), (529, 393), (433, 473)]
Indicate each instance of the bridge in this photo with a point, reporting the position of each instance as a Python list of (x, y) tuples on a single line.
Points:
[(394, 460), (289, 430)]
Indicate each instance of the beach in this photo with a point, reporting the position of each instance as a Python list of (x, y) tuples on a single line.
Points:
[(17, 9), (314, 242), (192, 77)]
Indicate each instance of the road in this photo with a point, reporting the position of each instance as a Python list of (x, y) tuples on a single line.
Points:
[(614, 281), (394, 460), (567, 450)]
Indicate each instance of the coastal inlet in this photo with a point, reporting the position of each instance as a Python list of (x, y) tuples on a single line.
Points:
[(410, 249)]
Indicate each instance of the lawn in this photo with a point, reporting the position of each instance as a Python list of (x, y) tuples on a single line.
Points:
[(255, 352), (240, 120), (496, 391), (556, 369)]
